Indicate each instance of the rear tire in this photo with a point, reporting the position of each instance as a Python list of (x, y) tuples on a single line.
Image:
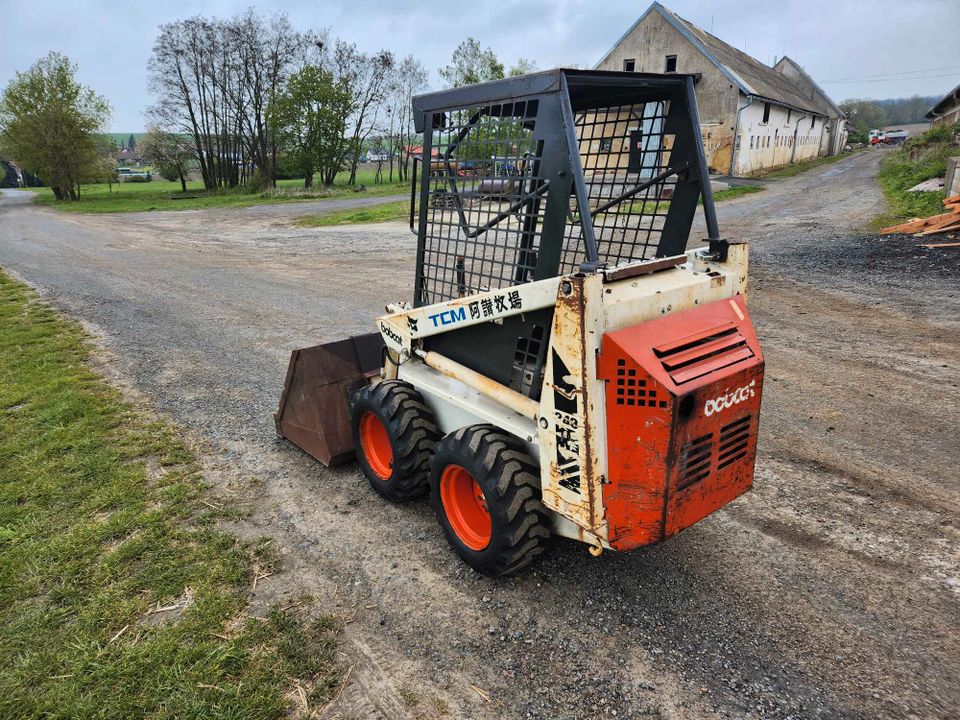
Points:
[(485, 490), (394, 434)]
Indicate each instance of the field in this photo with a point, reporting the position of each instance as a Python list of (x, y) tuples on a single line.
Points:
[(119, 597), (161, 194), (399, 210)]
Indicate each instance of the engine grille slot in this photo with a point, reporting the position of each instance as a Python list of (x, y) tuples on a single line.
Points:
[(632, 390), (734, 439), (695, 458), (694, 356)]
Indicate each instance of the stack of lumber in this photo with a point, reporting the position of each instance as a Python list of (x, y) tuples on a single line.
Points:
[(946, 222)]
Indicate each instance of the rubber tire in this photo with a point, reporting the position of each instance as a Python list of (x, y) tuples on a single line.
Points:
[(412, 431), (510, 480)]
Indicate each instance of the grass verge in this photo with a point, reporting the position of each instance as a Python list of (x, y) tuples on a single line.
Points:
[(119, 597), (803, 166), (164, 195), (921, 158), (735, 191), (385, 212), (400, 210)]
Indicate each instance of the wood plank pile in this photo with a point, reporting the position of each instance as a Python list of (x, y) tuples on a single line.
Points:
[(946, 222)]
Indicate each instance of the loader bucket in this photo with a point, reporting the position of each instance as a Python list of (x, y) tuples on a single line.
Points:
[(314, 411)]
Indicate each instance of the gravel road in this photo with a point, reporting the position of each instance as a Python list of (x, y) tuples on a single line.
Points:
[(830, 591)]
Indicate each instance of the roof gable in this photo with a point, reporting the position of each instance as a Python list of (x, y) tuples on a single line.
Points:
[(942, 103), (748, 74), (826, 104)]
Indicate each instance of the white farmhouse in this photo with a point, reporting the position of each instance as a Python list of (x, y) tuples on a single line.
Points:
[(753, 117)]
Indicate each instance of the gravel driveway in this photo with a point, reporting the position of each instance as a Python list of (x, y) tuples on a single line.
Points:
[(830, 591)]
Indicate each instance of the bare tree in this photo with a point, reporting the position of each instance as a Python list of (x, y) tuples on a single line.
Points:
[(215, 80), (368, 78), (409, 78)]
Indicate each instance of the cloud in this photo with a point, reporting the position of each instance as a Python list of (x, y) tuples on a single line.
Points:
[(833, 39)]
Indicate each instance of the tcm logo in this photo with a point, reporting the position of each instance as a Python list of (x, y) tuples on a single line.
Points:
[(391, 333), (448, 317), (729, 400)]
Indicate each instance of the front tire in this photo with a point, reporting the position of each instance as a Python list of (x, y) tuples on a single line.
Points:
[(485, 490), (394, 434)]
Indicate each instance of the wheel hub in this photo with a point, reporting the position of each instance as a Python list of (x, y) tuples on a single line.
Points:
[(465, 506), (375, 443)]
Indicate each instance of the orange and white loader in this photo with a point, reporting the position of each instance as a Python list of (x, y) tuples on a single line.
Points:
[(566, 366)]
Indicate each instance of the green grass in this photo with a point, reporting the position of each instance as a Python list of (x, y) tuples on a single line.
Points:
[(92, 541), (400, 210), (164, 195), (803, 166), (735, 191), (385, 212), (921, 158)]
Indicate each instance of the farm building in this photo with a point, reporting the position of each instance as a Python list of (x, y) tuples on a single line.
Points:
[(753, 117), (947, 110)]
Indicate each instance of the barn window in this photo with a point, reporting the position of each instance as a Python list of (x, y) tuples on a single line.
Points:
[(606, 144), (766, 112), (671, 64), (629, 65)]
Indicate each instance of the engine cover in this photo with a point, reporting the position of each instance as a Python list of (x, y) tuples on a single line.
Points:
[(682, 409)]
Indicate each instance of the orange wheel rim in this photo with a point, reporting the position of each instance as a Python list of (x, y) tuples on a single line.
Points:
[(375, 443), (465, 507)]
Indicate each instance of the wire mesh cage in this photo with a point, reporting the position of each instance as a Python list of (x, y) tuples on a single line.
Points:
[(531, 177), (621, 150), (484, 197)]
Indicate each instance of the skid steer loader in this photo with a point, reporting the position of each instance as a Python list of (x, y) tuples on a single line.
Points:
[(566, 366)]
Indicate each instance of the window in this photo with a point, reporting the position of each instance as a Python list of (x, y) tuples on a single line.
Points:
[(629, 65), (671, 64), (751, 142), (789, 115), (766, 112), (606, 144), (813, 119)]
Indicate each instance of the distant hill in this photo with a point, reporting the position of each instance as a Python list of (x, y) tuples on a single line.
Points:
[(121, 138)]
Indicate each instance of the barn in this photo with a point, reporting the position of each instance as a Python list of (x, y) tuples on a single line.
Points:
[(754, 118)]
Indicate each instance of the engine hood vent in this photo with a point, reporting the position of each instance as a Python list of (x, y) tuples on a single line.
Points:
[(694, 356)]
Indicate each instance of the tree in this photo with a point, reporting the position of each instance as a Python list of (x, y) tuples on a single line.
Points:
[(522, 67), (409, 78), (131, 142), (49, 122), (863, 116), (215, 80), (471, 64), (309, 119), (172, 155), (367, 77)]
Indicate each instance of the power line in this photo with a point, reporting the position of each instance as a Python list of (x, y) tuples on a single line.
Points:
[(894, 79), (894, 74)]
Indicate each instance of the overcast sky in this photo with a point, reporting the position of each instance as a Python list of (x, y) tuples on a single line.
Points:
[(878, 49)]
